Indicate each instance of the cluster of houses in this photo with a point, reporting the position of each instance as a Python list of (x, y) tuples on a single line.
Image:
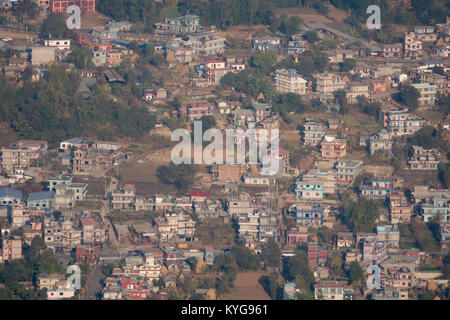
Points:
[(153, 274), (85, 158)]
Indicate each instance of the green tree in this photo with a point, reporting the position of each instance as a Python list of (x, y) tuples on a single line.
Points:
[(438, 70), (37, 244), (444, 174), (245, 259), (180, 176), (47, 263), (356, 272), (264, 62), (271, 284), (271, 254), (347, 65), (311, 36), (80, 57), (428, 137), (360, 216), (297, 268), (54, 26), (291, 25), (26, 9), (409, 96)]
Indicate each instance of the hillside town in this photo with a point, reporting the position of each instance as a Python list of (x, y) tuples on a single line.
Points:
[(358, 207)]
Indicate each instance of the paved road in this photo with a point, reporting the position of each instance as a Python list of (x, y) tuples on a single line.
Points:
[(93, 285)]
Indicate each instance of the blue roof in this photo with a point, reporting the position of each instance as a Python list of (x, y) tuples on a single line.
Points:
[(9, 192), (36, 196)]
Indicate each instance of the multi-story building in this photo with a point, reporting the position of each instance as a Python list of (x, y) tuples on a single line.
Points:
[(313, 133), (444, 29), (423, 159), (249, 227), (378, 188), (308, 214), (328, 83), (399, 209), (392, 50), (113, 58), (206, 43), (178, 25), (389, 234), (356, 90), (266, 43), (331, 290), (427, 93), (195, 110), (316, 253), (48, 281), (217, 69), (333, 148), (123, 198), (344, 240), (326, 177), (426, 33), (381, 141), (444, 236), (93, 232), (242, 205), (439, 80), (176, 226), (348, 170), (289, 81), (16, 156), (61, 44), (11, 248), (38, 147), (85, 160), (309, 190), (374, 250), (438, 207), (412, 46), (262, 110), (401, 122), (60, 6), (62, 236)]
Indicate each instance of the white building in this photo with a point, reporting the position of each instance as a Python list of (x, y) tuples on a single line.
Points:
[(289, 81)]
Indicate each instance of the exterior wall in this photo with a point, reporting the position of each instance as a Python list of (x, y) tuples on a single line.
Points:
[(60, 6)]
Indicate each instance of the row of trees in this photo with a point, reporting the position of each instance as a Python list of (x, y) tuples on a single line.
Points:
[(427, 12), (50, 109), (140, 11)]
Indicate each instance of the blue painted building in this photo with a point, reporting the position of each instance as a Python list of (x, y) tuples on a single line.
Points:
[(9, 196), (309, 190), (40, 200), (438, 207), (377, 189), (308, 215)]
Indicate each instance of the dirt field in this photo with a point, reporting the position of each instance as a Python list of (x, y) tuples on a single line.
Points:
[(247, 287), (142, 173), (244, 32), (92, 21), (311, 15)]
